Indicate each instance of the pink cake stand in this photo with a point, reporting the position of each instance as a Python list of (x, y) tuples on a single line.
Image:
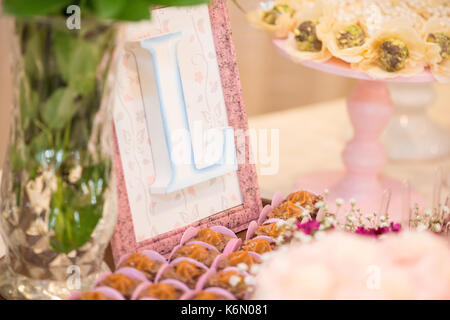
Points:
[(370, 109)]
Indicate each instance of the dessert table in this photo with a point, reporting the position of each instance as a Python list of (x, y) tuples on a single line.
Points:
[(312, 139), (308, 143)]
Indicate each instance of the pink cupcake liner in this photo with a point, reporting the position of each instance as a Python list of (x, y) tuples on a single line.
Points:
[(128, 271), (203, 244), (191, 232), (204, 279), (219, 259), (254, 225), (174, 262), (176, 283), (264, 212), (144, 286), (232, 245), (224, 230), (153, 255), (107, 291), (219, 291), (270, 239), (251, 230), (277, 199)]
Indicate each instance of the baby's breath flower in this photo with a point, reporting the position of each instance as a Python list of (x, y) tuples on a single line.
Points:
[(234, 281), (428, 213), (306, 213), (250, 281), (319, 204), (445, 209), (421, 227), (281, 223), (291, 221), (326, 192), (436, 227), (242, 266), (255, 269), (353, 202), (339, 202), (382, 218)]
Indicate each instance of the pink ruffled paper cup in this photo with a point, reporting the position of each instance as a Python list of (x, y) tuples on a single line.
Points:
[(152, 255), (106, 291), (203, 244), (223, 256), (264, 213), (127, 271), (173, 282), (254, 225), (178, 260), (216, 290), (277, 199), (202, 283), (192, 232)]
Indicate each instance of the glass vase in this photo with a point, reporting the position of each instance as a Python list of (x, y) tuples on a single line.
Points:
[(57, 209)]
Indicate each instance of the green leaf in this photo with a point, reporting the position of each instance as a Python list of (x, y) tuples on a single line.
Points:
[(176, 3), (108, 9), (59, 108), (134, 11), (74, 213), (83, 66), (29, 104), (64, 45), (34, 52), (33, 7)]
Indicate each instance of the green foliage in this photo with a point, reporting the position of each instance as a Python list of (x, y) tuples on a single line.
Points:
[(121, 10), (76, 209), (60, 93)]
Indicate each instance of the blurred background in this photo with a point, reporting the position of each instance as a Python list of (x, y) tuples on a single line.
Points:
[(270, 82)]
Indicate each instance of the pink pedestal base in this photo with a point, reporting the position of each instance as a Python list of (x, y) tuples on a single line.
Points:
[(370, 109), (368, 202)]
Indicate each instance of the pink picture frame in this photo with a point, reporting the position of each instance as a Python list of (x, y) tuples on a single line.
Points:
[(123, 241)]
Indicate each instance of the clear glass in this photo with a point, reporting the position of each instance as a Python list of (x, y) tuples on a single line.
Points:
[(411, 134), (57, 209)]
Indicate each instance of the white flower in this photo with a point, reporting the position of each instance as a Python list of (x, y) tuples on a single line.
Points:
[(304, 238), (326, 191), (249, 280), (422, 227), (305, 213), (445, 209), (319, 204), (384, 225), (353, 202), (428, 213), (242, 266), (281, 223), (255, 269), (350, 217), (382, 218), (280, 240), (291, 221), (339, 202), (436, 227), (234, 281)]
